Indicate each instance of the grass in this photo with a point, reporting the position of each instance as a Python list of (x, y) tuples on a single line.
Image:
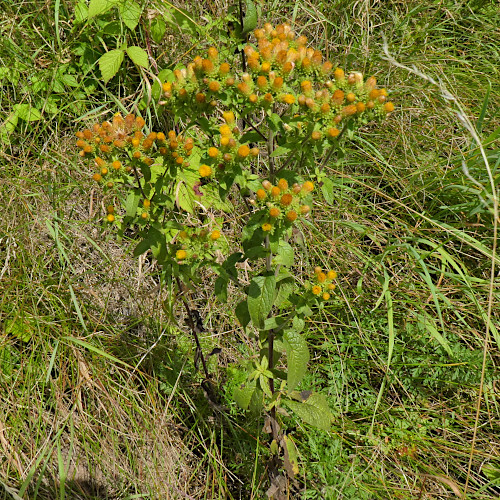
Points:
[(100, 398)]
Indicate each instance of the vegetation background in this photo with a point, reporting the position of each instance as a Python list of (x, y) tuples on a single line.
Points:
[(98, 394)]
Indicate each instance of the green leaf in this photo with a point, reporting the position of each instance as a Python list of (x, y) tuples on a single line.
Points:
[(242, 313), (69, 80), (260, 298), (158, 28), (27, 113), (220, 289), (110, 63), (98, 7), (243, 396), (285, 286), (327, 190), (130, 12), (20, 327), (314, 411), (297, 355), (139, 56), (250, 19), (81, 12), (281, 151), (285, 254), (132, 203), (8, 126)]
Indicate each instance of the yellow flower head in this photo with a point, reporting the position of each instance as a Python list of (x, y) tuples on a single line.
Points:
[(307, 187), (321, 277), (261, 194), (181, 254), (316, 290), (205, 171), (243, 151)]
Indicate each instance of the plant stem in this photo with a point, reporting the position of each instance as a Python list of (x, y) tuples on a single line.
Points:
[(243, 60), (270, 352), (194, 328)]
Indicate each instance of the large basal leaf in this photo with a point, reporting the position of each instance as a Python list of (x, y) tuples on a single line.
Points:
[(297, 355), (314, 411), (260, 298), (110, 63)]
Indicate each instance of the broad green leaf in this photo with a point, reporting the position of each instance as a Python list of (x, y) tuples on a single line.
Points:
[(69, 80), (250, 19), (285, 254), (257, 401), (243, 395), (81, 12), (98, 7), (281, 151), (242, 313), (158, 28), (327, 190), (132, 203), (130, 12), (110, 63), (220, 289), (264, 385), (297, 354), (260, 298), (9, 74), (139, 56), (27, 113), (285, 287), (314, 411)]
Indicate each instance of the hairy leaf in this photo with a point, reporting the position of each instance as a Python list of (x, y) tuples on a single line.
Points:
[(297, 355), (261, 298), (314, 411)]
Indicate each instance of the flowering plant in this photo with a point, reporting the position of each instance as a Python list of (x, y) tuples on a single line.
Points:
[(250, 127)]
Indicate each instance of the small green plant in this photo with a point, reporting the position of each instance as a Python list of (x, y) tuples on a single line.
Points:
[(231, 183)]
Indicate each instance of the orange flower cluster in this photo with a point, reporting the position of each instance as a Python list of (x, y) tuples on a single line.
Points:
[(176, 148), (281, 68), (116, 145), (230, 151), (282, 203), (323, 283), (194, 243)]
